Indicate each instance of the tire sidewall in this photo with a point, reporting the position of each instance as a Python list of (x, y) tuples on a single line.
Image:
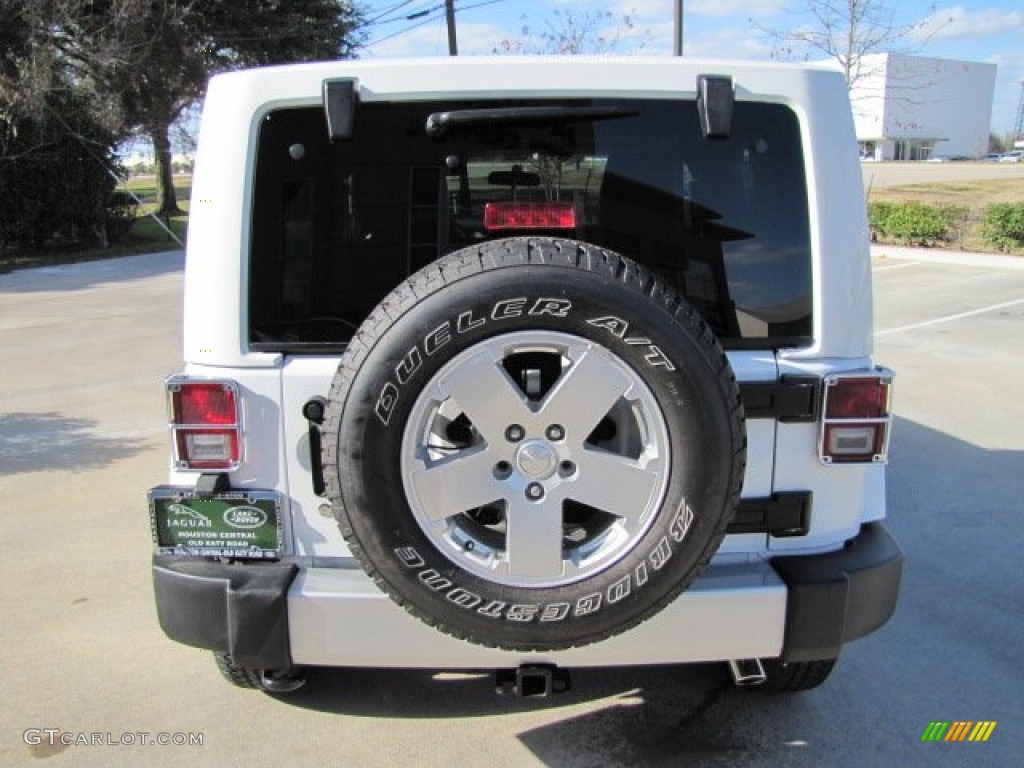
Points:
[(673, 358)]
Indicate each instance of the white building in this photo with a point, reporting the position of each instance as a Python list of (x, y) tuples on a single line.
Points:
[(913, 108)]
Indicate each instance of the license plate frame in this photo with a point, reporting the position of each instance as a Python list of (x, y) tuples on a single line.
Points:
[(242, 524)]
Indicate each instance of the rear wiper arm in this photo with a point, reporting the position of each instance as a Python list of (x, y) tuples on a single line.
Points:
[(439, 123)]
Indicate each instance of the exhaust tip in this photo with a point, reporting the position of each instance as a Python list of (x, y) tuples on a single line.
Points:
[(747, 672), (284, 681)]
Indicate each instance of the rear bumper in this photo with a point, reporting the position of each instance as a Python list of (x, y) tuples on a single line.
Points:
[(273, 616)]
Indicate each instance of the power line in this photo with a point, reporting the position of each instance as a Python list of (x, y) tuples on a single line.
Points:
[(428, 16), (388, 12), (411, 16), (400, 32), (479, 5)]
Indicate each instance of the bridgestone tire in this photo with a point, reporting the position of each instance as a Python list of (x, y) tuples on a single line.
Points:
[(241, 677), (533, 444), (256, 679)]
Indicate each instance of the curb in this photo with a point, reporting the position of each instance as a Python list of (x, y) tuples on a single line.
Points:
[(939, 256), (76, 274)]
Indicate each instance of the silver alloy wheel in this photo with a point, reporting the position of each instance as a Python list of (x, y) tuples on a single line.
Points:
[(535, 459)]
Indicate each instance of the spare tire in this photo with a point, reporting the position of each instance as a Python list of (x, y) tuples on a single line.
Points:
[(533, 444)]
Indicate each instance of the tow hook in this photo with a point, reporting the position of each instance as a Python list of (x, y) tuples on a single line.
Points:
[(747, 672), (532, 681)]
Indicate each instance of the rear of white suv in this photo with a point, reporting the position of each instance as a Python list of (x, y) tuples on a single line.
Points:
[(568, 358)]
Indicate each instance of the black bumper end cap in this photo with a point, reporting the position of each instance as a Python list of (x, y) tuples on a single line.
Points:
[(235, 608), (839, 596)]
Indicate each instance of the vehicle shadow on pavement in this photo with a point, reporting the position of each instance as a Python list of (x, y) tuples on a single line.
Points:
[(666, 725), (955, 508), (38, 442), (628, 716), (436, 694)]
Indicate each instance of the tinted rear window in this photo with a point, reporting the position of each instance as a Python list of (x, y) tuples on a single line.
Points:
[(337, 226)]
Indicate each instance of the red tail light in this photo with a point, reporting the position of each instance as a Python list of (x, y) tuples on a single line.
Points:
[(499, 216), (205, 425), (857, 415)]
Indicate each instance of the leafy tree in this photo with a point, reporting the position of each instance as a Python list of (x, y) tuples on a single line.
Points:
[(57, 163), (55, 172), (147, 61)]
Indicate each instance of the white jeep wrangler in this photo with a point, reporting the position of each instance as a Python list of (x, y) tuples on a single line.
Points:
[(525, 364)]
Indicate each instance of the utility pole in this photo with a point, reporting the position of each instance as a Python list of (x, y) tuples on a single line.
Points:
[(449, 12), (677, 33), (1018, 131)]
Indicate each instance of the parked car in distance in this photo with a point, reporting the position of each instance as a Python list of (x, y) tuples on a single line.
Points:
[(1012, 157)]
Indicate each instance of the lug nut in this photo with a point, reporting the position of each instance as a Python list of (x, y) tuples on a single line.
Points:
[(535, 491), (556, 432), (567, 468), (514, 433)]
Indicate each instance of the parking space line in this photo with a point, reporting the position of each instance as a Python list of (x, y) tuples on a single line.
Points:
[(897, 266), (950, 318)]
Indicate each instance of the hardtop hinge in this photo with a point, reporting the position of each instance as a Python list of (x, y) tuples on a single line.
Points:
[(782, 515), (791, 399)]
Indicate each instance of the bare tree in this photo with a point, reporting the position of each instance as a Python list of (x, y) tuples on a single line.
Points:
[(846, 31), (574, 32)]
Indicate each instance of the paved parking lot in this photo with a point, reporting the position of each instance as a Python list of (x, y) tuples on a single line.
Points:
[(81, 439)]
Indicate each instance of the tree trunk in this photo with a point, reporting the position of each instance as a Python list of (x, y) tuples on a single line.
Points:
[(166, 200)]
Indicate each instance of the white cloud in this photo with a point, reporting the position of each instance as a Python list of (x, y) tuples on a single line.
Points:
[(1009, 73), (1009, 61), (476, 39), (644, 9), (742, 9), (421, 41), (727, 43), (957, 23), (720, 9)]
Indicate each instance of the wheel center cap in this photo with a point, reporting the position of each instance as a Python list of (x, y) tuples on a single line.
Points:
[(536, 459)]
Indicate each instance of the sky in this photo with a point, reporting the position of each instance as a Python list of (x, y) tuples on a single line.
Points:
[(970, 30)]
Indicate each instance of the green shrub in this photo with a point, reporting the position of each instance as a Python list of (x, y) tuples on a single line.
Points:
[(878, 213), (1003, 225), (916, 223)]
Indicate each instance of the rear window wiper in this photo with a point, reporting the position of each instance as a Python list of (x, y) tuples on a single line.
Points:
[(439, 123)]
